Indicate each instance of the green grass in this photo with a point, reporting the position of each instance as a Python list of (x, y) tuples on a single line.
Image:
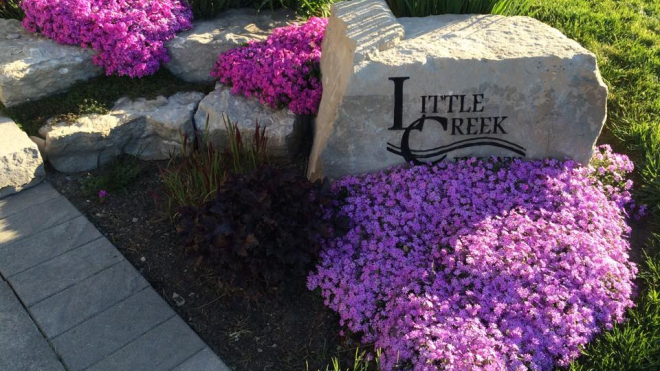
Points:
[(115, 177), (9, 9), (96, 96), (361, 363)]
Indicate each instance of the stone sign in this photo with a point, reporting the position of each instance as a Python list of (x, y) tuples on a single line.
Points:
[(422, 90)]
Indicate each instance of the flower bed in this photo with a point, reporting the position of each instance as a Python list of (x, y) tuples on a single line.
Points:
[(471, 266), (128, 35), (282, 71)]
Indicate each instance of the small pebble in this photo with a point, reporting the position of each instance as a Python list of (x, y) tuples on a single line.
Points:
[(135, 220), (88, 201), (99, 215), (260, 350), (178, 300), (143, 259)]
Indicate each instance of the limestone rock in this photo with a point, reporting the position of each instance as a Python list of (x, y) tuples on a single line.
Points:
[(443, 87), (150, 129), (284, 130), (21, 165), (32, 67), (41, 144), (194, 52)]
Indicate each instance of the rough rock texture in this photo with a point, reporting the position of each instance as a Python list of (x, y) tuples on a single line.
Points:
[(21, 166), (149, 129), (194, 52), (468, 86), (284, 129), (32, 67)]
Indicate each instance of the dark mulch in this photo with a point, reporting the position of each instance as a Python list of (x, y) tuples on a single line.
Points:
[(273, 328)]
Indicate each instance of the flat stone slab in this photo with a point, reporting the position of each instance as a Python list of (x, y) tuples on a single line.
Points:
[(205, 360), (194, 52), (53, 276), (33, 67), (94, 340), (151, 129), (162, 348), (35, 219), (284, 130), (78, 303), (92, 305), (26, 199), (21, 165), (22, 346), (422, 90), (44, 246)]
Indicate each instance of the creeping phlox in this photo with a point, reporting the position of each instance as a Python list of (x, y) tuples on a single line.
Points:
[(481, 265), (128, 35), (282, 71)]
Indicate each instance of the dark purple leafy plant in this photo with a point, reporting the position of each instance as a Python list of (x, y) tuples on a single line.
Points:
[(261, 225)]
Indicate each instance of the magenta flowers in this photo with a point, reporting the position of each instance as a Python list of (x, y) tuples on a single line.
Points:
[(472, 266), (282, 71), (128, 35)]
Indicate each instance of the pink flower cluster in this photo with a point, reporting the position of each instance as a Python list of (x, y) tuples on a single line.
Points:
[(282, 71), (128, 35), (479, 266)]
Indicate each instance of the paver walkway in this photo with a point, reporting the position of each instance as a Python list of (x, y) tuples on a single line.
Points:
[(69, 301)]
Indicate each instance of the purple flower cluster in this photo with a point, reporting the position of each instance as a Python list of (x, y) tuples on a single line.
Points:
[(282, 71), (480, 265), (128, 35)]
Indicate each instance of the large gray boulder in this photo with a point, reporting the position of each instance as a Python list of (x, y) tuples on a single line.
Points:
[(150, 129), (21, 165), (284, 130), (444, 87), (32, 67), (194, 52)]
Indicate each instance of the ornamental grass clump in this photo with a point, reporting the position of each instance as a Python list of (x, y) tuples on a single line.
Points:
[(282, 71), (10, 9), (480, 265), (128, 35)]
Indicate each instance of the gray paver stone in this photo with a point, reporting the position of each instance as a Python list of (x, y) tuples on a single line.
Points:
[(35, 219), (160, 349), (84, 300), (205, 360), (22, 346), (51, 277), (30, 197), (101, 336), (36, 249)]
